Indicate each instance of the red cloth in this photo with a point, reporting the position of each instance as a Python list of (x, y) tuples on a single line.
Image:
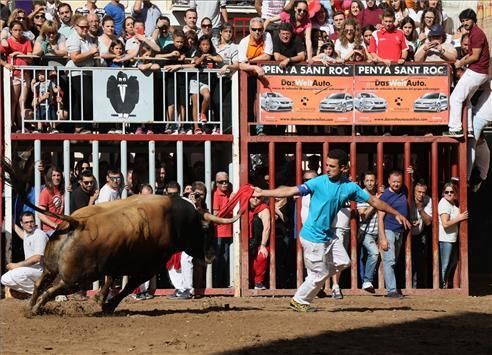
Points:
[(174, 261), (242, 197), (219, 200)]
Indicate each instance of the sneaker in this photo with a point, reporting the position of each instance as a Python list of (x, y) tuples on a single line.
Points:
[(189, 132), (368, 287), (173, 295), (260, 286), (149, 131), (139, 130), (118, 131), (470, 134), (198, 131), (454, 134), (168, 131), (176, 132), (139, 296), (216, 131), (299, 307), (336, 293), (394, 294), (148, 295), (203, 117), (184, 295), (61, 298), (111, 131)]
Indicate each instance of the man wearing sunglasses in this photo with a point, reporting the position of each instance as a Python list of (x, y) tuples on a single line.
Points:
[(86, 193), (111, 191)]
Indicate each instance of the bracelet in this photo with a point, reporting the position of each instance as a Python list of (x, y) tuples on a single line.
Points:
[(263, 245)]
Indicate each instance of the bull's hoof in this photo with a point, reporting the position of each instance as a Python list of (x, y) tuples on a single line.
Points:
[(28, 313), (108, 308)]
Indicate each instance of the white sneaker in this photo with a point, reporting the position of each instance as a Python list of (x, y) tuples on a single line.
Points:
[(61, 298), (189, 132), (367, 286)]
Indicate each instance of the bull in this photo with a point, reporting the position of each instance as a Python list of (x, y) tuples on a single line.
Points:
[(133, 237)]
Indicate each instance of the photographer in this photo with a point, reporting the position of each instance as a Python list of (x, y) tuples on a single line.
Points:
[(435, 49)]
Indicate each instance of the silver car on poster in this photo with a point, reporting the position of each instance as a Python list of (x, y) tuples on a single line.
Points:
[(370, 102), (338, 102), (431, 102), (273, 101)]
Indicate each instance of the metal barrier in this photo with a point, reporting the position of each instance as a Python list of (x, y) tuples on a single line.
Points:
[(444, 158)]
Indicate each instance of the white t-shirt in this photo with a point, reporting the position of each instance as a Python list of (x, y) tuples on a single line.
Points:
[(107, 194), (449, 234), (75, 43), (271, 8), (34, 244), (210, 9), (415, 215), (243, 47), (305, 202), (343, 51)]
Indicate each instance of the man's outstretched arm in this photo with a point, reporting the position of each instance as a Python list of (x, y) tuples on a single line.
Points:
[(284, 191)]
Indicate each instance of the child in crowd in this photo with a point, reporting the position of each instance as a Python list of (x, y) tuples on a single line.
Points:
[(118, 49), (44, 101), (327, 54), (205, 57)]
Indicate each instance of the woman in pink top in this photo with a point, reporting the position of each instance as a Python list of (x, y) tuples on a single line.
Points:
[(299, 18)]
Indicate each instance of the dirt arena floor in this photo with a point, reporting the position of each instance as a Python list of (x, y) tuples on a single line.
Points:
[(226, 325)]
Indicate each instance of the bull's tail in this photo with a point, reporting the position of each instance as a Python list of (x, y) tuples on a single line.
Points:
[(15, 178)]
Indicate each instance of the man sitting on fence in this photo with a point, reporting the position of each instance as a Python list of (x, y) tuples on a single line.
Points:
[(22, 276)]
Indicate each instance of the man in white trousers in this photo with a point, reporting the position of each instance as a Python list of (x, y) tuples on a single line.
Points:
[(476, 74), (323, 256), (23, 275)]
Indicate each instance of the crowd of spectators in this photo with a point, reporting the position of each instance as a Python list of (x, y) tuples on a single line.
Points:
[(288, 32)]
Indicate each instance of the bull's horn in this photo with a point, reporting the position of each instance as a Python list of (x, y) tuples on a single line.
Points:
[(220, 220)]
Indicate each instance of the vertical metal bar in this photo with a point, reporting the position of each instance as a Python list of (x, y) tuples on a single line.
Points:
[(454, 173), (82, 96), (221, 104), (380, 172), (66, 173), (70, 117), (152, 164), (95, 162), (124, 165), (187, 99), (408, 242), (21, 107), (271, 203), (37, 176), (299, 259), (323, 159), (353, 222), (435, 215), (463, 227), (7, 140), (179, 163), (208, 182), (235, 174), (244, 169)]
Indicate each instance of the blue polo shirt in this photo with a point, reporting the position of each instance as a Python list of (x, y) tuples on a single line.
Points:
[(327, 198), (397, 200), (117, 12)]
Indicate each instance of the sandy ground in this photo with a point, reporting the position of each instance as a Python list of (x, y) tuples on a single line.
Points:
[(358, 324)]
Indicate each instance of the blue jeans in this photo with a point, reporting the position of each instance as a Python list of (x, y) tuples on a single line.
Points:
[(221, 277), (390, 257), (371, 245), (447, 251)]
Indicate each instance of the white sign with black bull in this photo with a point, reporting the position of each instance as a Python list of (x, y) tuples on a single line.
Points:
[(123, 96)]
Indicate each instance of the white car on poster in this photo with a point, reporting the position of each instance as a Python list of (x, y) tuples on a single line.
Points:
[(431, 102), (370, 102), (337, 102), (275, 102)]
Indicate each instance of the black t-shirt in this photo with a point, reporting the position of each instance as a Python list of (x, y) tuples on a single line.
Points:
[(289, 50), (171, 48), (78, 199), (4, 12)]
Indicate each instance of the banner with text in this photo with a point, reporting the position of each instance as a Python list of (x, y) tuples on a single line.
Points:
[(120, 96), (414, 94), (302, 94)]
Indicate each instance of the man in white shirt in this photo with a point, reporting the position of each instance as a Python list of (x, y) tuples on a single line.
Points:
[(22, 276), (111, 190), (420, 217), (213, 9)]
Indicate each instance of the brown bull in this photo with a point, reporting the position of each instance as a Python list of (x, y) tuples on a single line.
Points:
[(133, 237)]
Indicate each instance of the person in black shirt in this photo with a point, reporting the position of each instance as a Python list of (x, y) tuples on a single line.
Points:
[(86, 193), (287, 48)]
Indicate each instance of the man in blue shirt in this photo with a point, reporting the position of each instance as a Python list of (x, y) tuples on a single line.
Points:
[(390, 230), (324, 254)]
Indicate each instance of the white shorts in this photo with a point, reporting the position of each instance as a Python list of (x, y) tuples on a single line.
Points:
[(194, 84)]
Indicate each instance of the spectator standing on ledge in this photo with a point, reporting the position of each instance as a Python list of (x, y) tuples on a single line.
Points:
[(23, 275), (322, 254), (190, 20), (65, 18), (214, 10), (391, 230), (117, 12), (476, 74), (148, 13)]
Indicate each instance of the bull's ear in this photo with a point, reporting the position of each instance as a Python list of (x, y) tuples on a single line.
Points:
[(220, 220)]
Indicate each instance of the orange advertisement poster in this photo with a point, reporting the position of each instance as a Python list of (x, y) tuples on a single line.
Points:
[(411, 94), (307, 95)]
